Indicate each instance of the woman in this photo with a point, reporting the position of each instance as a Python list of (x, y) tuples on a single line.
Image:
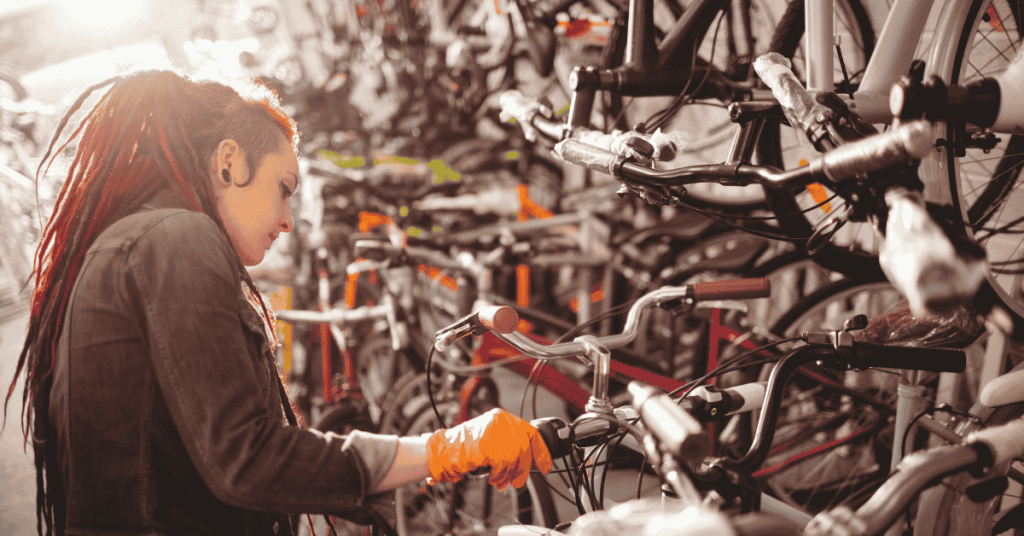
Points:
[(151, 391)]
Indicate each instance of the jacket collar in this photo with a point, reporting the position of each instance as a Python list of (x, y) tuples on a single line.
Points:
[(165, 198)]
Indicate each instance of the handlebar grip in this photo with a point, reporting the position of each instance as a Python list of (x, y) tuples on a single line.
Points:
[(919, 259), (733, 289), (499, 318), (908, 358), (551, 430), (590, 157), (888, 149)]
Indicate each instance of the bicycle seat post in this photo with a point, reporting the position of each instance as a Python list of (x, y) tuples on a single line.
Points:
[(601, 358)]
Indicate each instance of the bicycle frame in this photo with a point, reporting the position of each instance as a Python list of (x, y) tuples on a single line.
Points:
[(894, 53)]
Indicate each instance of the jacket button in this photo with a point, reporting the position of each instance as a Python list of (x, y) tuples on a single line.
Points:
[(277, 526)]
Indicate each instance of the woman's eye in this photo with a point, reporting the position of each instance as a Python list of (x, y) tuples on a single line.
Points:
[(285, 192)]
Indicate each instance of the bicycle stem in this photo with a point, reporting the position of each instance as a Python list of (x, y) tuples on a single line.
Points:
[(602, 360), (765, 432)]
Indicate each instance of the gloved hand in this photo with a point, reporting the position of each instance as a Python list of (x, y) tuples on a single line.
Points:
[(506, 443)]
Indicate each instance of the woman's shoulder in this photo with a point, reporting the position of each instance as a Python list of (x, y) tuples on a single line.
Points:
[(165, 226), (153, 238), (187, 241)]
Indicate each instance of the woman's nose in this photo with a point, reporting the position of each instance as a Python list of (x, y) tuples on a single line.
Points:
[(288, 223)]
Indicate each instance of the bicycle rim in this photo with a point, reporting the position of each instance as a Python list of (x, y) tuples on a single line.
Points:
[(985, 185), (479, 508)]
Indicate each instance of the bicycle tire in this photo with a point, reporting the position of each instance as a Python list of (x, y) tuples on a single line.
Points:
[(403, 402), (946, 510), (378, 367), (985, 196), (415, 503)]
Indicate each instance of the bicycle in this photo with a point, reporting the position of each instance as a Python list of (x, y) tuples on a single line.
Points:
[(822, 345)]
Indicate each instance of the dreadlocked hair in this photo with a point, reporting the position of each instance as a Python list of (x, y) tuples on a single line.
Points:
[(150, 131)]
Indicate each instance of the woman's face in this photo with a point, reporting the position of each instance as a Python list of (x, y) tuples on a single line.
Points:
[(255, 214)]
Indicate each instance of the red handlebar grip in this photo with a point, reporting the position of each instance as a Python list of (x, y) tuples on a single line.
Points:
[(733, 289), (499, 318)]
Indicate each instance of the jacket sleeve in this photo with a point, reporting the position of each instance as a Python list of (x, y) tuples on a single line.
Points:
[(185, 276)]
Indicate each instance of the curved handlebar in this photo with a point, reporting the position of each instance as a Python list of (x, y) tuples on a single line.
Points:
[(989, 448), (874, 153), (733, 289)]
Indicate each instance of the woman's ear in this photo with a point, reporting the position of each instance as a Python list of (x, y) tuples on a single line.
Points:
[(228, 165)]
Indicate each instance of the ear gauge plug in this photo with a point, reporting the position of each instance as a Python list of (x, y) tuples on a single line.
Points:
[(226, 175)]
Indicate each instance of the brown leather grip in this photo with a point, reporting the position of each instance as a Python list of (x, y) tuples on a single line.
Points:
[(499, 318), (732, 289)]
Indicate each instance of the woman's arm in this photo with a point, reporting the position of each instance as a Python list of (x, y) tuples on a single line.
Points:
[(410, 464)]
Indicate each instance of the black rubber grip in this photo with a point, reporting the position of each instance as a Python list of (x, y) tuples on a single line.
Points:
[(548, 428), (908, 358), (733, 289), (881, 151)]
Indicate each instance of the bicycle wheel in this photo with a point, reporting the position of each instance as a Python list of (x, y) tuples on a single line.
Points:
[(470, 506), (947, 510), (405, 400), (978, 42), (705, 122), (378, 367), (830, 446)]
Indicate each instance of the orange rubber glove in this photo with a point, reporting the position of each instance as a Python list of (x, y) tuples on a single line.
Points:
[(506, 443)]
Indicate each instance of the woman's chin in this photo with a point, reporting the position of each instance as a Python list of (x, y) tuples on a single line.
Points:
[(253, 258)]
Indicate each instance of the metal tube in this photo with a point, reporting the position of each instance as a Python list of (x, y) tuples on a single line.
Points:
[(910, 402), (571, 349), (899, 38), (820, 37)]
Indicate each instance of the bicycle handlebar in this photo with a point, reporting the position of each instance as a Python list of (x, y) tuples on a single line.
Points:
[(863, 355), (333, 316), (894, 147), (990, 449), (497, 318), (532, 116), (713, 290), (380, 251)]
